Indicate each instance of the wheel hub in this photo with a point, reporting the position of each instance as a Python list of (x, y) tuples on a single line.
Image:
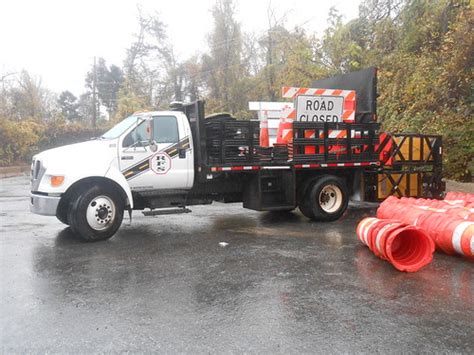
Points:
[(330, 198), (100, 212)]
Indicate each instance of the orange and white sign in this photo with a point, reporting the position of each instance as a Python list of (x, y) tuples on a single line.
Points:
[(319, 108), (322, 105)]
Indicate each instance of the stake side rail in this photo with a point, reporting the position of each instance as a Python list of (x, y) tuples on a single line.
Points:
[(233, 146), (239, 168)]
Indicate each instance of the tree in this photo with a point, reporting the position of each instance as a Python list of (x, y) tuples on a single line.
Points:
[(154, 75), (108, 83), (27, 97), (68, 104), (222, 68), (192, 79), (85, 107)]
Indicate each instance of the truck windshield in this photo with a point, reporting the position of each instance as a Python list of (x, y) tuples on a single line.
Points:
[(119, 128)]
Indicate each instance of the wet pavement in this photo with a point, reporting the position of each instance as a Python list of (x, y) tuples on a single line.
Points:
[(282, 284)]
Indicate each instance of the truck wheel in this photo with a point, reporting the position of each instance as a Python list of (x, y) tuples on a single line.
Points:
[(96, 213), (326, 199), (305, 210), (61, 214)]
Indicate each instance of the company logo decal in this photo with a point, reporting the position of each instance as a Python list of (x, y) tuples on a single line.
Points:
[(160, 163), (163, 163)]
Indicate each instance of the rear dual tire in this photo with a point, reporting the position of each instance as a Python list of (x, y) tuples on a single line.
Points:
[(324, 199)]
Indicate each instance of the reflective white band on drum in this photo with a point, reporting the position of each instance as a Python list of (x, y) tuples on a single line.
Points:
[(457, 236), (365, 229), (379, 235), (360, 228)]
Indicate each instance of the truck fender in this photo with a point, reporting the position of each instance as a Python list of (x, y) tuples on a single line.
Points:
[(115, 175)]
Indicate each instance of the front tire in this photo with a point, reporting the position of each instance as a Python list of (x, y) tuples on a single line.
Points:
[(61, 215), (326, 199), (96, 213)]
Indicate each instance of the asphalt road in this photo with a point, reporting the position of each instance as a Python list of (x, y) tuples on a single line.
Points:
[(164, 283)]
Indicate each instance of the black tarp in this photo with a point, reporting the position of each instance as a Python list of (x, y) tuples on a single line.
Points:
[(364, 82)]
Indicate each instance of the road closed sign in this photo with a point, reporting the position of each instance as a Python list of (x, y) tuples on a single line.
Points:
[(319, 108)]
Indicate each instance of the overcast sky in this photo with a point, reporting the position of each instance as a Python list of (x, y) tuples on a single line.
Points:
[(58, 39)]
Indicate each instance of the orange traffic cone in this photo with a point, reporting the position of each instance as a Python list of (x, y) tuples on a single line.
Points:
[(285, 127), (264, 139)]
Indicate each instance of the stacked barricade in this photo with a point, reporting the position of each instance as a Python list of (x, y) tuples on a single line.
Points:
[(450, 225), (460, 198), (399, 233), (407, 248)]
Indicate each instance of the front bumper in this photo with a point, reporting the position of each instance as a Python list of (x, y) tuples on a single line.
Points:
[(44, 205)]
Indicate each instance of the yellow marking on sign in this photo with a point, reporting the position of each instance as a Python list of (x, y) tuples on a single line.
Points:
[(143, 166)]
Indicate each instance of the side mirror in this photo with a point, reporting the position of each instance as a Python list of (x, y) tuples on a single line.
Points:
[(149, 134), (149, 130)]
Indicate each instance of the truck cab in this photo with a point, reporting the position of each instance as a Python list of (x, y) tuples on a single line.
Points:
[(148, 153), (156, 152)]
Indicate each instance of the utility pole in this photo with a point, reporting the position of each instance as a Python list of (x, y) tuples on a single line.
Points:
[(94, 98), (270, 65), (271, 26)]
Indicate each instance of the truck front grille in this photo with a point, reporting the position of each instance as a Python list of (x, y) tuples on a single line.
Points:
[(37, 172), (36, 169)]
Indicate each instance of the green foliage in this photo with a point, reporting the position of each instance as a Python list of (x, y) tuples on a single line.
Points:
[(427, 87), (108, 81), (68, 105), (223, 67)]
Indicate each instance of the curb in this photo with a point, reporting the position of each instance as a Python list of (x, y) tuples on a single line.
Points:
[(11, 171)]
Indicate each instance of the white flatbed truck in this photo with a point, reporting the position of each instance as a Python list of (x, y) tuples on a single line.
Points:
[(161, 162)]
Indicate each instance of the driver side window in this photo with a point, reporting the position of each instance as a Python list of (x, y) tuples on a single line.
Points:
[(137, 137), (165, 129)]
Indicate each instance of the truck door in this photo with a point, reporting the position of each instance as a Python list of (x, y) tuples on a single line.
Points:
[(164, 165)]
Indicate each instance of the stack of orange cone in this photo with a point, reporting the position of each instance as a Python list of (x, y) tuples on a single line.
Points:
[(264, 138)]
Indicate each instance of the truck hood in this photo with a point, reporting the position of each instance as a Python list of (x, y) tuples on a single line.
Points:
[(96, 155)]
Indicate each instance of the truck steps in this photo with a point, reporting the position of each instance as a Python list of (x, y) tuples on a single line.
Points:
[(166, 211)]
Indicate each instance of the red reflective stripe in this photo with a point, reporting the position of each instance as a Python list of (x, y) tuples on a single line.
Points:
[(347, 114), (351, 96), (335, 165), (349, 105), (234, 168), (292, 114), (296, 166), (284, 90), (300, 91)]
